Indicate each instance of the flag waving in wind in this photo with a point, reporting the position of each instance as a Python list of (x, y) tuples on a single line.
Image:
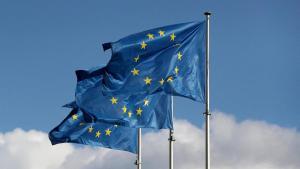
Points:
[(134, 88), (141, 110), (169, 59), (78, 127)]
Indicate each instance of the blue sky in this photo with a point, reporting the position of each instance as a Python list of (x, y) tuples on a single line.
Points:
[(255, 55)]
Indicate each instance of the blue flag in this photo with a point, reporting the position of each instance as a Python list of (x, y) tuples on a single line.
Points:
[(141, 110), (78, 127), (169, 59)]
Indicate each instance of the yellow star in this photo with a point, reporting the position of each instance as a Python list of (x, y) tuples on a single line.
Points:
[(124, 108), (146, 102), (172, 36), (136, 59), (143, 45), (129, 114), (135, 72), (107, 132), (74, 116), (162, 81), (161, 33), (148, 80), (98, 134), (170, 79), (139, 111), (114, 100), (150, 36), (176, 70), (91, 129), (179, 55)]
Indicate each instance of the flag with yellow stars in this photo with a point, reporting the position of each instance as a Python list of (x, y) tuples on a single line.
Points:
[(139, 110), (78, 127), (169, 59)]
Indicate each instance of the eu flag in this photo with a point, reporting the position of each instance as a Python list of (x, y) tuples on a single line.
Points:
[(169, 59), (141, 110), (78, 127)]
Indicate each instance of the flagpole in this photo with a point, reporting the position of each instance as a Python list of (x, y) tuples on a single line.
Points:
[(171, 139), (207, 113), (139, 156)]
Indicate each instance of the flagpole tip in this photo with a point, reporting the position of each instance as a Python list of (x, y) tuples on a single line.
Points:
[(207, 13)]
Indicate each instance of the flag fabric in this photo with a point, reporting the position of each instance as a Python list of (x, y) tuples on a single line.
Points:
[(139, 110), (169, 59), (78, 127)]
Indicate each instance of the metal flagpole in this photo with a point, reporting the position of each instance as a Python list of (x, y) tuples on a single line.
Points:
[(171, 139), (207, 113), (139, 156)]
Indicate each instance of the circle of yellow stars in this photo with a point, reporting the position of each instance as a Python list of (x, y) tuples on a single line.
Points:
[(148, 80)]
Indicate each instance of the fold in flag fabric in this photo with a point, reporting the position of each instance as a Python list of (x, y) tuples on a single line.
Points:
[(169, 59), (78, 128), (140, 110)]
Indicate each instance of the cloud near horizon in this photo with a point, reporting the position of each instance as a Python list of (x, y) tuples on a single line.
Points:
[(234, 145)]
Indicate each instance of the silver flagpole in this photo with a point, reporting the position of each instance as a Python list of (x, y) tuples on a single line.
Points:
[(171, 139), (207, 113), (139, 156)]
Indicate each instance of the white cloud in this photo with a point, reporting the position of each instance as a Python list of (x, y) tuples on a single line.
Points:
[(30, 150), (235, 145)]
